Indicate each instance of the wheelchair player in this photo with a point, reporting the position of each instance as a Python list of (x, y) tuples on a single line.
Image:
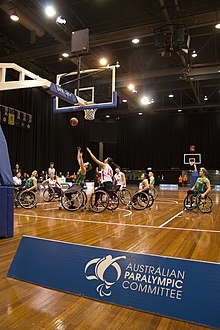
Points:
[(202, 187)]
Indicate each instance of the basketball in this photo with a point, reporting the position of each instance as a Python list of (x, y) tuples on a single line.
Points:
[(73, 121)]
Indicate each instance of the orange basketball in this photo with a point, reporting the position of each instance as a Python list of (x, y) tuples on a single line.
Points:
[(73, 121)]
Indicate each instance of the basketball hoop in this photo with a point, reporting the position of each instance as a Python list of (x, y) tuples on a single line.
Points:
[(90, 114)]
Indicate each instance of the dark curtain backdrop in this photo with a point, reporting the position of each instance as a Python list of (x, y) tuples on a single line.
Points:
[(158, 141)]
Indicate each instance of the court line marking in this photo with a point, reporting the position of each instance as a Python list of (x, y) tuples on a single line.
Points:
[(126, 215), (119, 224), (175, 216)]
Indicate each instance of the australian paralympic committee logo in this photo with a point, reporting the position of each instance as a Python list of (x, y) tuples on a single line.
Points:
[(106, 270)]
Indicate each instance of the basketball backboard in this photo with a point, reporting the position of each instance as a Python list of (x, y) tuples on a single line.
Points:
[(93, 88), (192, 158)]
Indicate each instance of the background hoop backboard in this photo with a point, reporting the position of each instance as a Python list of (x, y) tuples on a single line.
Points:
[(192, 158), (94, 89)]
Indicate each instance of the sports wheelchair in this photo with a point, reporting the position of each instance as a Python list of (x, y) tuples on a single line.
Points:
[(142, 200), (24, 198), (100, 200), (193, 201)]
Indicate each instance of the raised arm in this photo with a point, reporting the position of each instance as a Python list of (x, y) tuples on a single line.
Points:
[(95, 159), (80, 161)]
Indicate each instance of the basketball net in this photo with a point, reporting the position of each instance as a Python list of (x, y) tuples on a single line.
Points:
[(89, 114)]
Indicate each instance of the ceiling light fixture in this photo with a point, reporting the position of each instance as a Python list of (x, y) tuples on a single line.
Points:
[(103, 61), (180, 110), (117, 65), (205, 98), (140, 113), (14, 17), (171, 95), (60, 20), (50, 11), (135, 41), (217, 26), (145, 100), (107, 116), (131, 87), (124, 101), (194, 54), (65, 54)]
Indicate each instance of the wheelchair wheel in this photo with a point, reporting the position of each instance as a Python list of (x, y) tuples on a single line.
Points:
[(153, 192), (113, 201), (99, 201), (48, 194), (84, 198), (72, 201), (204, 204), (189, 202), (27, 199), (151, 200), (125, 196), (140, 201)]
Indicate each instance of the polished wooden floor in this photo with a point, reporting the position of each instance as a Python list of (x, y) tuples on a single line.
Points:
[(162, 230)]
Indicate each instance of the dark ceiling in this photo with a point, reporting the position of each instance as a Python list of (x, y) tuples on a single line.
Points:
[(36, 43)]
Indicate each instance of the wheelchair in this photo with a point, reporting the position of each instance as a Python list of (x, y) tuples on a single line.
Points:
[(101, 200), (26, 199), (50, 193), (142, 200), (124, 196), (193, 201), (153, 191)]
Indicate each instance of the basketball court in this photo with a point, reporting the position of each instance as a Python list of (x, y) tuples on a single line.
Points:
[(165, 229)]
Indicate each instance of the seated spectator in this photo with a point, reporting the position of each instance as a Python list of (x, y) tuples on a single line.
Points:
[(17, 180)]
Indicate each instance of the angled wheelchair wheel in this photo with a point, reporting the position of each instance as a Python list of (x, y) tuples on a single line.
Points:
[(27, 199), (113, 201), (72, 201), (140, 201), (205, 205), (125, 196), (151, 200), (153, 192), (48, 194), (99, 201)]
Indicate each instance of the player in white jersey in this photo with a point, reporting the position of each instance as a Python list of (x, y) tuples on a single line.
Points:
[(119, 179), (54, 183), (106, 171)]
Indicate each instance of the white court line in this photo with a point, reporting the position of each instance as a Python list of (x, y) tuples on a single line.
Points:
[(119, 224), (175, 216), (126, 215)]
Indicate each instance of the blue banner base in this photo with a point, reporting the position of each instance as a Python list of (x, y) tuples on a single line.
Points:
[(183, 289)]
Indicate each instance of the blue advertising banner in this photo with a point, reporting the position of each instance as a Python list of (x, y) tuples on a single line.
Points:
[(62, 93), (179, 288)]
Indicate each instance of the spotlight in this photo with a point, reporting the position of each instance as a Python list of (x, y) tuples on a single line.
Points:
[(180, 110), (103, 61), (135, 41), (107, 116), (205, 98), (217, 26), (131, 87), (50, 11), (124, 101), (145, 100), (140, 113), (171, 95), (194, 54)]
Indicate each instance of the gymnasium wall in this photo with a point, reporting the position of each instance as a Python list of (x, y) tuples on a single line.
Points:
[(158, 141)]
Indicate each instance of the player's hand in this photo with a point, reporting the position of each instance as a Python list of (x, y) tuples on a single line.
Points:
[(88, 149)]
